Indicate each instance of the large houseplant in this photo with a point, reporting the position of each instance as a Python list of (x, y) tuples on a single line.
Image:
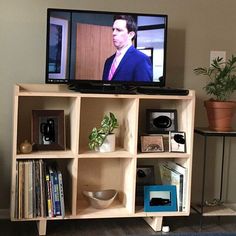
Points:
[(220, 86), (99, 136)]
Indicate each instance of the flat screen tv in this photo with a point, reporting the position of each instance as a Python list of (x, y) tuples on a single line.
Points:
[(80, 41)]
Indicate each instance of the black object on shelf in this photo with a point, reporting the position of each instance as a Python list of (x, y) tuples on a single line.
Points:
[(159, 201), (162, 91), (123, 89)]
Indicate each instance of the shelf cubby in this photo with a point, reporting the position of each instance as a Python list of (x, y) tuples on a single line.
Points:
[(92, 111), (107, 173)]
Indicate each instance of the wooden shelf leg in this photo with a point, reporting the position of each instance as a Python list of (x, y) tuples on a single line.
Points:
[(155, 222), (42, 226)]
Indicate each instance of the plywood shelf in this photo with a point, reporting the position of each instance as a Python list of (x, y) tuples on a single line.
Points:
[(84, 169), (47, 155), (119, 153), (163, 155), (221, 210), (117, 209)]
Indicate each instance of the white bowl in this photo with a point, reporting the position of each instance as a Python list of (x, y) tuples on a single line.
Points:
[(101, 199)]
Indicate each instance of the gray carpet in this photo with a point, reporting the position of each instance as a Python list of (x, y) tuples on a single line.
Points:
[(187, 234), (193, 234)]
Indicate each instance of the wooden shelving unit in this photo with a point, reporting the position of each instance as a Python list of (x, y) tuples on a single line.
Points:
[(84, 169)]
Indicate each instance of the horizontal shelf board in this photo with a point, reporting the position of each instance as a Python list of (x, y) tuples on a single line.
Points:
[(46, 154), (42, 218), (163, 155), (166, 97), (119, 153), (223, 210), (52, 89), (118, 210), (68, 94), (32, 219), (63, 91), (115, 210), (206, 132), (139, 96), (68, 215), (48, 94), (139, 211)]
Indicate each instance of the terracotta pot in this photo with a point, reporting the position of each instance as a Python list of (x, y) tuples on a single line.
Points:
[(220, 114)]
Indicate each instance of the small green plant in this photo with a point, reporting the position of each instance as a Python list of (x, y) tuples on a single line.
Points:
[(98, 135), (222, 78)]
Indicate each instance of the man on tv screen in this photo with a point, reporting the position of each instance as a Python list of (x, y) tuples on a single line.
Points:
[(128, 63)]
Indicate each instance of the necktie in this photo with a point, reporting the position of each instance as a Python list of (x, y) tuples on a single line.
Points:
[(114, 66)]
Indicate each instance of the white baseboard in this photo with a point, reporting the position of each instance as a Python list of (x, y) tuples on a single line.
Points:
[(4, 213)]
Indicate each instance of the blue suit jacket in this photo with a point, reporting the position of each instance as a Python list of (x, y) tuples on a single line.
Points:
[(134, 66)]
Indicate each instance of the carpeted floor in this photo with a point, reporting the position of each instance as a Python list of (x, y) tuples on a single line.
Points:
[(179, 226), (200, 234)]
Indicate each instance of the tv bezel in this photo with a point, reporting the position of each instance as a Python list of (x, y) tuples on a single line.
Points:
[(101, 82)]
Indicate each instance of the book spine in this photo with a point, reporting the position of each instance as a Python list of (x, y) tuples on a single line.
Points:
[(61, 194), (42, 188), (21, 190), (51, 189), (48, 195), (172, 177), (30, 191), (184, 171), (37, 189), (33, 186), (16, 191), (56, 196), (26, 190)]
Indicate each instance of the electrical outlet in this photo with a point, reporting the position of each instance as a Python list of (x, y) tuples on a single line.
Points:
[(215, 54)]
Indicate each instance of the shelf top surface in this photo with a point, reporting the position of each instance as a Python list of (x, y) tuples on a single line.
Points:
[(206, 132), (62, 90)]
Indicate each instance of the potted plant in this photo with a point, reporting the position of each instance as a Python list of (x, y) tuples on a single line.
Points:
[(103, 138), (220, 86)]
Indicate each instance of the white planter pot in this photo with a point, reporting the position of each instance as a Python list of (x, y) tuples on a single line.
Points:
[(108, 144)]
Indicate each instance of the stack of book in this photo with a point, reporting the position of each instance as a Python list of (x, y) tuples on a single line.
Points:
[(39, 190), (173, 173)]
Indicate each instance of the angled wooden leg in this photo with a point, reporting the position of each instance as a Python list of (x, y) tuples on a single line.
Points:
[(154, 222), (42, 227)]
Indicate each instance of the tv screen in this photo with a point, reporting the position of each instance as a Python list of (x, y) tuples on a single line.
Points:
[(80, 41)]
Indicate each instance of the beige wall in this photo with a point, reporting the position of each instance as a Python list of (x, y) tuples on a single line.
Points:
[(195, 28)]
